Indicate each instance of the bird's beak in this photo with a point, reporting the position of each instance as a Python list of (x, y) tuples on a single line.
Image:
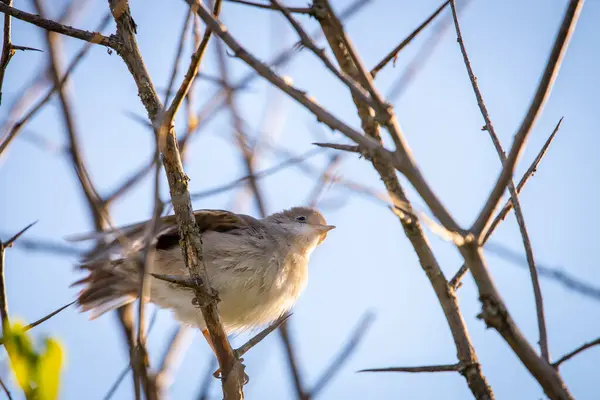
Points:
[(324, 228)]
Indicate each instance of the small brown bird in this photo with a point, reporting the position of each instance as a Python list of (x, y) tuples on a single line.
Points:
[(259, 267)]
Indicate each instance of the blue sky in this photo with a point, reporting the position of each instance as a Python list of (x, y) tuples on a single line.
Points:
[(366, 263)]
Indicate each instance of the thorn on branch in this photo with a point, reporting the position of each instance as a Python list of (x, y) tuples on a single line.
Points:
[(12, 240)]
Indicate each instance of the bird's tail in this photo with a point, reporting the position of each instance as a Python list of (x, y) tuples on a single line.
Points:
[(108, 286)]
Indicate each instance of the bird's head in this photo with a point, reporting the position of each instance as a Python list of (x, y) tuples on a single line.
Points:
[(307, 224)]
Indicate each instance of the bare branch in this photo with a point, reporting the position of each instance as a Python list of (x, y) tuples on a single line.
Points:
[(578, 350), (296, 10), (403, 160), (18, 126), (455, 281), (428, 368), (413, 229), (192, 70), (394, 53), (537, 291), (256, 339), (537, 104), (12, 240), (92, 37), (178, 184), (342, 147)]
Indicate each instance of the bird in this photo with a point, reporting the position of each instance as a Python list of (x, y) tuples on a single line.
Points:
[(258, 267)]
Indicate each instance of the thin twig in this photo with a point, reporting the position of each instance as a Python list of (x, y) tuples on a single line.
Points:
[(542, 94), (43, 319), (256, 339), (455, 281), (296, 10), (192, 70), (392, 55), (537, 291), (573, 353), (186, 24), (428, 368)]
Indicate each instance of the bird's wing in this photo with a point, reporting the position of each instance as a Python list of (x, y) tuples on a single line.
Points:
[(131, 238)]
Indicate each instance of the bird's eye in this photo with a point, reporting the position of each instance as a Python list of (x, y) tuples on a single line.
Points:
[(302, 218)]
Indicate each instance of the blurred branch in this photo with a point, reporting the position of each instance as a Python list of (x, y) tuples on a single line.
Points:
[(343, 355), (178, 344), (300, 96), (292, 362), (191, 243), (217, 100), (52, 26), (324, 179), (455, 281), (412, 227), (186, 24), (16, 128), (296, 10), (258, 175), (570, 282), (394, 53), (537, 104), (578, 350), (241, 137), (537, 291), (192, 70)]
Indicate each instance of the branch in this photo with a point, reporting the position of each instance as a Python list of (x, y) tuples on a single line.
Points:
[(92, 37), (296, 10), (192, 70), (413, 230), (43, 319), (298, 95), (578, 350), (455, 281), (191, 244), (17, 127), (537, 291), (537, 104), (394, 53), (428, 368), (403, 158)]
